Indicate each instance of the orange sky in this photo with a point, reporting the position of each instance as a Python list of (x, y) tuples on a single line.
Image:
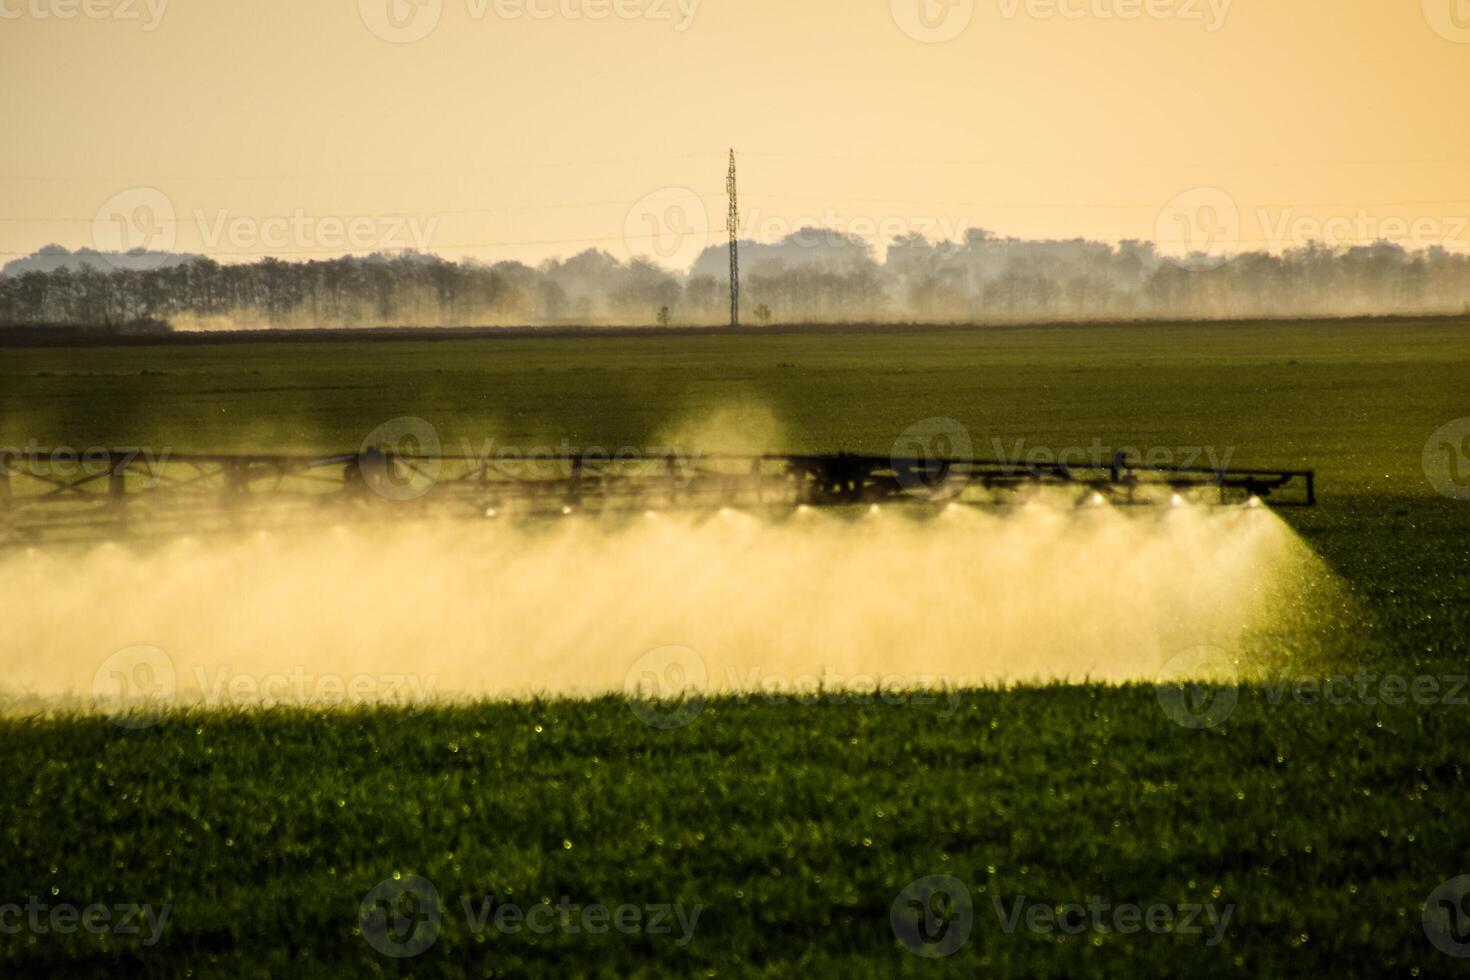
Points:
[(533, 128)]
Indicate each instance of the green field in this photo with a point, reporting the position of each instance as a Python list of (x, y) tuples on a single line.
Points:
[(1325, 827)]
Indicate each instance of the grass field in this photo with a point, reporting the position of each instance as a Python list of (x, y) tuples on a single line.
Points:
[(1323, 827)]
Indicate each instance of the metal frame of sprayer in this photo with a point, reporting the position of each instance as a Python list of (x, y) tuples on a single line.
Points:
[(125, 493)]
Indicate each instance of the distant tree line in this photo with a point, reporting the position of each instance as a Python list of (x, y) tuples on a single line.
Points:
[(806, 278)]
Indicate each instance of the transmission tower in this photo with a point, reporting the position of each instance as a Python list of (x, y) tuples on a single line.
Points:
[(732, 224)]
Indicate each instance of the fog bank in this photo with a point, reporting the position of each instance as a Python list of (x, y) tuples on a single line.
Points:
[(811, 275)]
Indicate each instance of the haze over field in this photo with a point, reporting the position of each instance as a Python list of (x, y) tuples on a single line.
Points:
[(720, 603), (812, 276), (1079, 124)]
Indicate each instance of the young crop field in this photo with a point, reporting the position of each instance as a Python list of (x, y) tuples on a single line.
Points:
[(1075, 830)]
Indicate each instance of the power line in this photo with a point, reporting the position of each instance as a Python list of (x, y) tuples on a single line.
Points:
[(1079, 206), (1074, 162), (341, 175), (711, 232), (343, 213), (445, 247), (710, 195), (832, 157)]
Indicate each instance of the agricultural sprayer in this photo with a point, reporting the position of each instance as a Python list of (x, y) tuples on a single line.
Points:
[(131, 493)]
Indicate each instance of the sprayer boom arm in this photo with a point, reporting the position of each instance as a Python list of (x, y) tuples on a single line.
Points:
[(46, 495)]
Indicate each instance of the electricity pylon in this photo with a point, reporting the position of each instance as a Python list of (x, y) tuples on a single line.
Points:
[(732, 224)]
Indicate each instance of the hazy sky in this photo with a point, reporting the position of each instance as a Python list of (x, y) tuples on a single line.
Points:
[(532, 128)]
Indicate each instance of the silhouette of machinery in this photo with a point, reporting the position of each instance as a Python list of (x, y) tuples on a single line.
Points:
[(41, 499)]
